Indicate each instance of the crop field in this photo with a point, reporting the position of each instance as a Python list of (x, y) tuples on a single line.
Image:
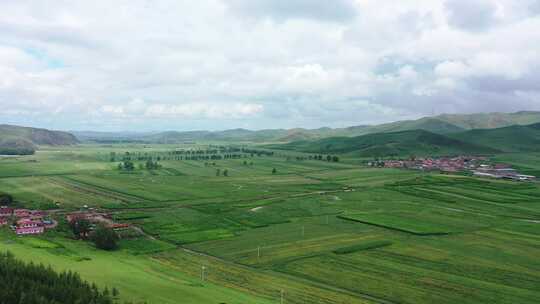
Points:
[(277, 225)]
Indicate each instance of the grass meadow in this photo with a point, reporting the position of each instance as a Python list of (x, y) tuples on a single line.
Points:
[(313, 231)]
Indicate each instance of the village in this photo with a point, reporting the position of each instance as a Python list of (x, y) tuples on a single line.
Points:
[(477, 165), (26, 221)]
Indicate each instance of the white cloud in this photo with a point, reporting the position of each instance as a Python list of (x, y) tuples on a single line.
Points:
[(138, 108), (261, 64)]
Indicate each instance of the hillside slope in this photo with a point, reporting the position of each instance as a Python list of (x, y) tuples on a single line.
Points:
[(431, 124), (23, 140), (490, 120), (16, 146), (508, 139), (417, 142)]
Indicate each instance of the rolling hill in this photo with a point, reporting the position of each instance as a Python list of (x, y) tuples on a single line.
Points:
[(508, 139), (403, 143), (491, 120), (431, 124), (24, 140), (441, 124)]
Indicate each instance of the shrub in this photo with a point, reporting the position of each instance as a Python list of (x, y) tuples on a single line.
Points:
[(105, 238)]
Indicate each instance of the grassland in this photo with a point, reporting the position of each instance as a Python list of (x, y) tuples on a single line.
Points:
[(321, 232)]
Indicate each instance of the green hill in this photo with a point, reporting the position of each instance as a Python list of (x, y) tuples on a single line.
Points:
[(430, 124), (416, 142), (508, 139), (16, 140), (490, 120)]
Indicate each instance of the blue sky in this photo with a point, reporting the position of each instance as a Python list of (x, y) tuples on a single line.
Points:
[(219, 64)]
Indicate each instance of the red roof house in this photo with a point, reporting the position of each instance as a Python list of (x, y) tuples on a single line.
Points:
[(28, 226), (6, 211)]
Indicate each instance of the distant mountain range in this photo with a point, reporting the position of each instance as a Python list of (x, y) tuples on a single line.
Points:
[(442, 124), (23, 140), (443, 134)]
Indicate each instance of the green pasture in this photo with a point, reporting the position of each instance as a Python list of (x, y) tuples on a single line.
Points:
[(322, 232), (138, 278)]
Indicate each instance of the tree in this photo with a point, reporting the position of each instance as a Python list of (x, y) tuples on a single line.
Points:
[(5, 199), (150, 165), (128, 165), (328, 158), (80, 228), (274, 171), (335, 159), (105, 237), (218, 172), (225, 172)]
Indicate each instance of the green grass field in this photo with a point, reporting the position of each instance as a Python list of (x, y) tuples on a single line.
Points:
[(320, 232)]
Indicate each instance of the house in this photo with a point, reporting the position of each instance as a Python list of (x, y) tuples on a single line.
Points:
[(38, 213), (29, 226), (6, 211), (21, 213), (484, 174)]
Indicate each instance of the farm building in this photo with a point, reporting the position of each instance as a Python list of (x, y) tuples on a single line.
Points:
[(503, 173), (22, 212), (29, 226), (6, 211), (28, 221)]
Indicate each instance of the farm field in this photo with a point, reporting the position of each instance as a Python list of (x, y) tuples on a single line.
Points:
[(312, 231)]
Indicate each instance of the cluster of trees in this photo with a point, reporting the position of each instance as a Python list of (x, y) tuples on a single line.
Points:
[(6, 199), (328, 158), (225, 172), (151, 165), (81, 228), (36, 284), (104, 237), (128, 165)]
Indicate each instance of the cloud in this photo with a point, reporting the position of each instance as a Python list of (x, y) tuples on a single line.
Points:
[(216, 64), (471, 15), (138, 108), (280, 10)]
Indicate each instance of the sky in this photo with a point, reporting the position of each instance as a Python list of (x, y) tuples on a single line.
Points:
[(218, 64)]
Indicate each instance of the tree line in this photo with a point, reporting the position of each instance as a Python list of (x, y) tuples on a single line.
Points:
[(208, 154), (30, 283)]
